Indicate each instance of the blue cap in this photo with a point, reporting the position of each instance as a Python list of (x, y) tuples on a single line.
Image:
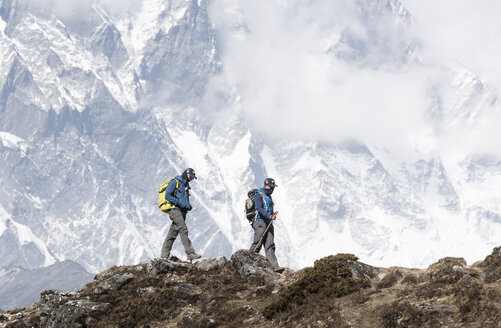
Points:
[(270, 182)]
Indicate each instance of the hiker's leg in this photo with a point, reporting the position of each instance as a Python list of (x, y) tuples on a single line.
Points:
[(259, 228), (178, 218), (269, 246), (171, 237)]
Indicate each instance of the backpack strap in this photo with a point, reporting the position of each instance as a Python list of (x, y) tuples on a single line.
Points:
[(177, 184), (264, 203)]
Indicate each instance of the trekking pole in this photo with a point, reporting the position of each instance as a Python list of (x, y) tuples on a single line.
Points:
[(264, 234)]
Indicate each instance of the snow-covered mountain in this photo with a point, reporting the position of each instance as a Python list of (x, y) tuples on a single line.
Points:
[(99, 106), (21, 287)]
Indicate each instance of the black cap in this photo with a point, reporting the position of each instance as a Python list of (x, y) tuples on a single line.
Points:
[(270, 182), (191, 172)]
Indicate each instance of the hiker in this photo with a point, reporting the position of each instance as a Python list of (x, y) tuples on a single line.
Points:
[(265, 215), (178, 195)]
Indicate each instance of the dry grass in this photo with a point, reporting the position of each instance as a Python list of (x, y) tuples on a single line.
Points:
[(448, 293), (329, 278)]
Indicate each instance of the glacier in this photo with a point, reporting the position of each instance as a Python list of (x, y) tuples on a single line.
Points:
[(98, 108)]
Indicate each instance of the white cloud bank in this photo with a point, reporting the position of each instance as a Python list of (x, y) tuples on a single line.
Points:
[(466, 30), (280, 58), (277, 55)]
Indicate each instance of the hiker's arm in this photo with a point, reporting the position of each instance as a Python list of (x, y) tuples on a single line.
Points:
[(169, 193), (188, 205), (258, 203)]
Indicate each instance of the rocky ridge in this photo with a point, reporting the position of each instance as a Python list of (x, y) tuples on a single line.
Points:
[(338, 291)]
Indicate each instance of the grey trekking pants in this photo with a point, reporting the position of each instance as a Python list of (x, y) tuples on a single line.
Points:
[(178, 226), (269, 245)]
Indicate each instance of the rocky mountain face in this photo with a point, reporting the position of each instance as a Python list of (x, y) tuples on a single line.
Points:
[(98, 108), (338, 291), (21, 287)]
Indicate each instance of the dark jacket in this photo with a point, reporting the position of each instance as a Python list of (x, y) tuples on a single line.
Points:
[(264, 205), (180, 197)]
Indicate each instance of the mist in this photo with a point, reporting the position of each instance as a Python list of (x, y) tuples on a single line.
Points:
[(326, 71), (292, 84)]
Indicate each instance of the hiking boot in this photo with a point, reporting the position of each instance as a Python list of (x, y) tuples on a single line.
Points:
[(279, 269), (193, 256)]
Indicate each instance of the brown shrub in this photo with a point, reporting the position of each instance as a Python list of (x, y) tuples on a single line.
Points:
[(317, 312), (411, 279), (405, 315), (390, 279), (330, 277)]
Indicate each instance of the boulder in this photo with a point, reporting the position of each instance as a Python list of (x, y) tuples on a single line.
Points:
[(76, 313), (187, 289), (171, 277), (211, 263), (251, 265), (162, 265), (361, 270), (114, 283), (51, 299), (444, 271), (465, 271)]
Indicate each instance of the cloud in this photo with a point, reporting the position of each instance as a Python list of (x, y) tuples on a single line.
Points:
[(466, 31), (277, 55), (79, 9)]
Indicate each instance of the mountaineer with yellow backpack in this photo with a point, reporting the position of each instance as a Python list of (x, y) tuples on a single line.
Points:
[(174, 199)]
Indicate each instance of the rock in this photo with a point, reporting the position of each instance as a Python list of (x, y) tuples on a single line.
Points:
[(162, 265), (211, 263), (250, 309), (210, 304), (361, 270), (465, 271), (146, 290), (188, 289), (467, 281), (492, 266), (51, 299), (444, 271), (277, 289), (74, 312), (447, 263), (171, 277), (114, 283), (251, 265), (435, 307)]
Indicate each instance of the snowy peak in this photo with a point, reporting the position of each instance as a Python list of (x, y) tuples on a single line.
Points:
[(97, 111)]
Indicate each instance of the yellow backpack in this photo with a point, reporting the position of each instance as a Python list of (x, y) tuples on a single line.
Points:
[(163, 203)]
